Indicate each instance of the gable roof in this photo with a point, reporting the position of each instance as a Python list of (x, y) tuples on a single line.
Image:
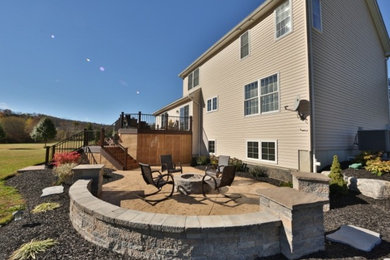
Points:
[(263, 10), (181, 101), (380, 25)]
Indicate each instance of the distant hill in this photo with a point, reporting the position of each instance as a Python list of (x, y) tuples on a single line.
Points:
[(17, 126)]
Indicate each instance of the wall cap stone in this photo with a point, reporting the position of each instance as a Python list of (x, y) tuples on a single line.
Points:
[(133, 130), (291, 198), (310, 176), (88, 167)]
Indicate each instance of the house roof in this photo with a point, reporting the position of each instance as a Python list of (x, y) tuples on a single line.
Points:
[(178, 102), (244, 25), (380, 25), (265, 9)]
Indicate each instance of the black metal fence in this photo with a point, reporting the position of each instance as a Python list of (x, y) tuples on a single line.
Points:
[(72, 143)]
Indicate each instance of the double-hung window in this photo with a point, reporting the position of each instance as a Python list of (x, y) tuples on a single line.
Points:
[(316, 12), (261, 150), (193, 79), (264, 100), (244, 45), (269, 94), (212, 104), (251, 103), (283, 19), (211, 146)]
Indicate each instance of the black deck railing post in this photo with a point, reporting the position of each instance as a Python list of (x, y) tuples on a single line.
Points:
[(139, 119), (47, 155), (122, 119), (102, 134), (53, 151), (85, 138)]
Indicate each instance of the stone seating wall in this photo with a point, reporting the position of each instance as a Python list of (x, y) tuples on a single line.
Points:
[(144, 235)]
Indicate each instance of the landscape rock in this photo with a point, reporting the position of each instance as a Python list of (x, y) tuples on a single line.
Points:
[(357, 237), (52, 190), (377, 189)]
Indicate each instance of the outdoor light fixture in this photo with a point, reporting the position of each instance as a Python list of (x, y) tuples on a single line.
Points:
[(17, 215)]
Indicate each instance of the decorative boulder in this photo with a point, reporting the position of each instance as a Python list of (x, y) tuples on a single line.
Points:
[(377, 189)]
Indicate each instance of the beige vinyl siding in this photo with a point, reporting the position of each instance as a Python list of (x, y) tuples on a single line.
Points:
[(349, 77), (225, 76)]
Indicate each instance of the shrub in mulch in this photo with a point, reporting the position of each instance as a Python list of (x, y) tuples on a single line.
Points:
[(53, 224)]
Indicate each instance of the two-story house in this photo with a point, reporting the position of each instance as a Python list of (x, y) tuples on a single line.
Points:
[(290, 85)]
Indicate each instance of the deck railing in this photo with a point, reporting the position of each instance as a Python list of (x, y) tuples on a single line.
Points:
[(72, 143), (151, 122)]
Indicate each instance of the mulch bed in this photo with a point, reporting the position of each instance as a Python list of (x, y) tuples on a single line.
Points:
[(53, 224), (351, 209), (362, 173)]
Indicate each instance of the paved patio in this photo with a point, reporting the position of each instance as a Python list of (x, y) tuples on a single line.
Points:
[(126, 193)]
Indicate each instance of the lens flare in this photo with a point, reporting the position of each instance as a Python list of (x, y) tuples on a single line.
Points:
[(101, 68), (88, 59), (137, 92), (52, 36)]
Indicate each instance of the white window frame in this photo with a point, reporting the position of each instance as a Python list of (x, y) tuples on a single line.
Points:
[(278, 85), (258, 99), (291, 20), (192, 75), (249, 45), (259, 96), (215, 146), (260, 141), (212, 107), (312, 15), (246, 149)]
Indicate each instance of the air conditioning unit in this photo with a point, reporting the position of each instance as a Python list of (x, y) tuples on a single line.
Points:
[(374, 140)]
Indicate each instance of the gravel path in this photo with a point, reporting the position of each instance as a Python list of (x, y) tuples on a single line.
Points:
[(352, 209)]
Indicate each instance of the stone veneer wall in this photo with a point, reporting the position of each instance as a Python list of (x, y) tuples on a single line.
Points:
[(314, 183), (302, 217), (144, 235)]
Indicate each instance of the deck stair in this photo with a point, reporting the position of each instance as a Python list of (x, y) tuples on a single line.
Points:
[(119, 157)]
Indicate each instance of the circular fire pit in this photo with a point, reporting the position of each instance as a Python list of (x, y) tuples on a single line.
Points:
[(188, 183)]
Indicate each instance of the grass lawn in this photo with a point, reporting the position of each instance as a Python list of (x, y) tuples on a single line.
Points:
[(12, 158)]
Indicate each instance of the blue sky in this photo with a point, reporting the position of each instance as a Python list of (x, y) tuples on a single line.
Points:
[(89, 60)]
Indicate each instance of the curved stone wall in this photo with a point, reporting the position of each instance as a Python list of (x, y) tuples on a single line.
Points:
[(144, 235)]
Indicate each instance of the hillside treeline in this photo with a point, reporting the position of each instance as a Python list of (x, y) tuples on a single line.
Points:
[(16, 127)]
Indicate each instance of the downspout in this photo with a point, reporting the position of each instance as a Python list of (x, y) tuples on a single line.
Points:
[(387, 84), (199, 124), (311, 87)]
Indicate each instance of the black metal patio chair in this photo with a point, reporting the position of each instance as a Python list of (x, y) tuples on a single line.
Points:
[(226, 179), (158, 181), (168, 165)]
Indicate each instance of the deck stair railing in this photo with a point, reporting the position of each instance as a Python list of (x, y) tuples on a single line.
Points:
[(72, 143), (146, 122), (118, 152)]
